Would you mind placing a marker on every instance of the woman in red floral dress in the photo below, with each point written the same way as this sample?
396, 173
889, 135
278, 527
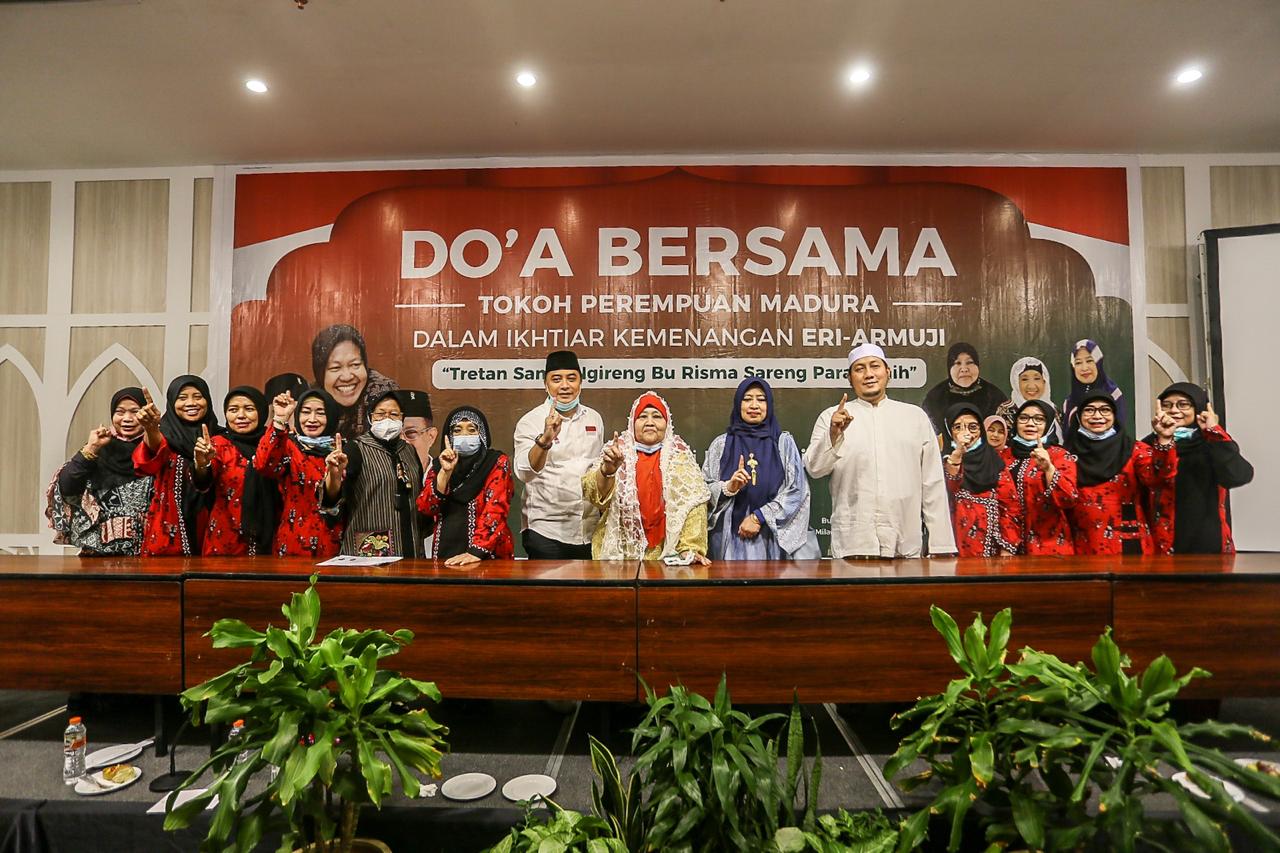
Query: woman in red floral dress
1114, 474
1045, 477
985, 509
468, 493
179, 512
300, 465
242, 519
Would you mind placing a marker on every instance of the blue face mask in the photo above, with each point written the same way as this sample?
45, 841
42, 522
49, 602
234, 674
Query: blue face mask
564, 408
466, 445
648, 448
1096, 436
1184, 432
1025, 442
318, 442
972, 447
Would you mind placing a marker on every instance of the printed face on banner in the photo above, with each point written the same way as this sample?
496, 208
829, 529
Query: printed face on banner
683, 280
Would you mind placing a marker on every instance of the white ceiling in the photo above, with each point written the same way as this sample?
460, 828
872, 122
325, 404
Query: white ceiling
105, 83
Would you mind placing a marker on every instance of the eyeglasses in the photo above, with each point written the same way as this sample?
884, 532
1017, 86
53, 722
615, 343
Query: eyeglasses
411, 434
1032, 419
382, 416
1180, 405
966, 428
1088, 411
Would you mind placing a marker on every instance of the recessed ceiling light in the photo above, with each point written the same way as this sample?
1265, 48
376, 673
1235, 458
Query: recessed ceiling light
256, 86
859, 75
526, 79
1190, 74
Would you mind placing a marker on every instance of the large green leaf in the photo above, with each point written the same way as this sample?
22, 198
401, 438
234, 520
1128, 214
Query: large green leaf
377, 773
1029, 818
982, 759
975, 646
946, 626
1001, 625
233, 634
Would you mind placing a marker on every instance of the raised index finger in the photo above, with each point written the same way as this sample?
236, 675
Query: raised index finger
337, 442
742, 461
844, 398
204, 431
146, 396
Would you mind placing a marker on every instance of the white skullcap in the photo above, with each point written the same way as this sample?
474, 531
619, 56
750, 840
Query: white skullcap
864, 350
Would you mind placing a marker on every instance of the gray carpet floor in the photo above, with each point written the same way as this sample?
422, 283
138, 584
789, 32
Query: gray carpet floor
504, 740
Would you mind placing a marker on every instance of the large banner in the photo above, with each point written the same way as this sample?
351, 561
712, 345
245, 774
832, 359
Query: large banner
683, 280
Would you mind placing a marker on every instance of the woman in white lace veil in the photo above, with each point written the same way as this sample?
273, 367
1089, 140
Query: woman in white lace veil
1028, 380
650, 491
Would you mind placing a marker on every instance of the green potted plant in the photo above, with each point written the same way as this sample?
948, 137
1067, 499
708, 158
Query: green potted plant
706, 777
323, 724
1029, 745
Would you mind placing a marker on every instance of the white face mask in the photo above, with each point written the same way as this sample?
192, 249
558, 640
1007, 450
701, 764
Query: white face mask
386, 429
466, 445
564, 408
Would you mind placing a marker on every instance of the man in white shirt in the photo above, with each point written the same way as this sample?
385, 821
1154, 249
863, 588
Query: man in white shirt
555, 444
886, 472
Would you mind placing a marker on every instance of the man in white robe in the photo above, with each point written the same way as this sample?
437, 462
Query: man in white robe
886, 472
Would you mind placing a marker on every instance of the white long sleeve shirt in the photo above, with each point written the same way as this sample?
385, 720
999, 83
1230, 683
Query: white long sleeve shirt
553, 503
886, 476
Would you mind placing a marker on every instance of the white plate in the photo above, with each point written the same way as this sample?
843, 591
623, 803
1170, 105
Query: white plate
109, 755
531, 786
85, 788
469, 786
1233, 790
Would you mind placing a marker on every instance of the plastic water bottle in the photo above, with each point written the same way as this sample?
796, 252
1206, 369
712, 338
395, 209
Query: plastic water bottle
75, 741
237, 735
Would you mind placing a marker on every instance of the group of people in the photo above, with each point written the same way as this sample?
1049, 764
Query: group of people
350, 465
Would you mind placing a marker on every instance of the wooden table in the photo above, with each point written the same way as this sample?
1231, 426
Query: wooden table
1219, 613
503, 629
102, 624
836, 630
857, 631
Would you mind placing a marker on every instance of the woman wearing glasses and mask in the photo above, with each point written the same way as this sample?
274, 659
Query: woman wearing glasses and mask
1045, 477
381, 480
1190, 514
1113, 474
985, 510
468, 493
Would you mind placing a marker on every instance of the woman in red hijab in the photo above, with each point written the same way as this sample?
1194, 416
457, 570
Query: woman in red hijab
650, 490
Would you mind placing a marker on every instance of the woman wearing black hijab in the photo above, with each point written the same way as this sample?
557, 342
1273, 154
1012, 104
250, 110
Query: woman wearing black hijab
1045, 476
962, 385
179, 513
985, 510
303, 463
1191, 517
381, 479
245, 505
97, 502
468, 493
1113, 475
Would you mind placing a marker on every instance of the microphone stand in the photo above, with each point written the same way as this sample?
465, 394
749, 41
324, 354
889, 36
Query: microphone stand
171, 780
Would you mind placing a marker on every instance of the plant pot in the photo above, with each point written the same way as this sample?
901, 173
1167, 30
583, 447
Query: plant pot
358, 845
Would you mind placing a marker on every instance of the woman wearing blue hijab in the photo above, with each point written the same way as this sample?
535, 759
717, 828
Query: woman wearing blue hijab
759, 508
